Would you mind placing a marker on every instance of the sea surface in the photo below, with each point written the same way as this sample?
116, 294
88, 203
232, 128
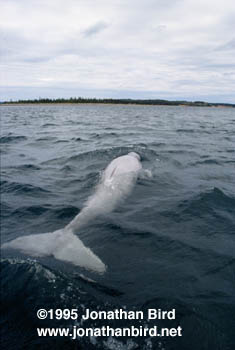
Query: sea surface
170, 244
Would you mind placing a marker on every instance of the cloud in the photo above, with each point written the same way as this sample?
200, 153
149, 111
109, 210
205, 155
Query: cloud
230, 45
147, 48
95, 29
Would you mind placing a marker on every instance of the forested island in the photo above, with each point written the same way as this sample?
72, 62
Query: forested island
122, 101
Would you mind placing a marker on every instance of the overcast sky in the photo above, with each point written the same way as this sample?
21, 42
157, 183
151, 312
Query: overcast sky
172, 49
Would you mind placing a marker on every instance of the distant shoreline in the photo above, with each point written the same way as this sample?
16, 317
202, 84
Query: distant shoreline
107, 104
145, 102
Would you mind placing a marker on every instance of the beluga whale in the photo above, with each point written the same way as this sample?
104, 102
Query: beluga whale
116, 183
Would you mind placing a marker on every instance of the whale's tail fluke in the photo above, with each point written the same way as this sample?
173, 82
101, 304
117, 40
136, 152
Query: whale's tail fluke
62, 244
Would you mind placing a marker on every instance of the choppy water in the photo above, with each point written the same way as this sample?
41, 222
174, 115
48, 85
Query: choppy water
171, 244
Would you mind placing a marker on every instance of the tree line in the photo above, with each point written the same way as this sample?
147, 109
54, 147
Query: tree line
122, 101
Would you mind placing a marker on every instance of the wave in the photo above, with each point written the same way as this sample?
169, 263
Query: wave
19, 188
6, 210
191, 131
203, 210
48, 125
77, 139
206, 161
98, 286
48, 138
113, 152
35, 210
26, 167
214, 198
93, 157
9, 139
61, 141
33, 285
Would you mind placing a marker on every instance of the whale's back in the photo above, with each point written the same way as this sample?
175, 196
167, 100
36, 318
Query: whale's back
122, 165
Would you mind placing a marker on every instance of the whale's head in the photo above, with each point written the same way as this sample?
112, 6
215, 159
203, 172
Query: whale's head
135, 155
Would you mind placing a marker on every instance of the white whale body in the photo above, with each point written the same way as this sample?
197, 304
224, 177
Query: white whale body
117, 181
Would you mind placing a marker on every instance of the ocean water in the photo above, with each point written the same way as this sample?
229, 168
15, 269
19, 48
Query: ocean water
170, 244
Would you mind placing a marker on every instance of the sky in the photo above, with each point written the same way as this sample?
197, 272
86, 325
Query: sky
167, 49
